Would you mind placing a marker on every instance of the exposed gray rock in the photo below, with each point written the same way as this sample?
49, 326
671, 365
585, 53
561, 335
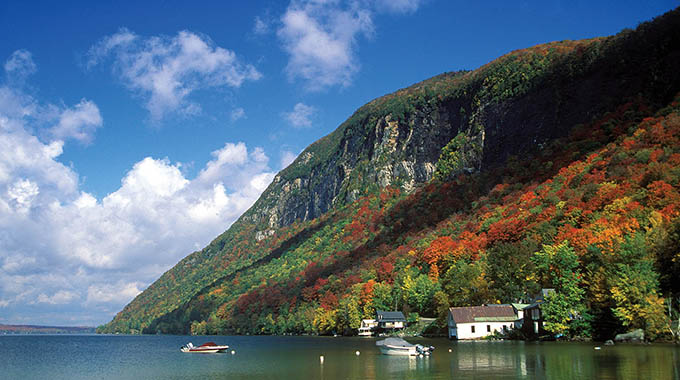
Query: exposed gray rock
635, 336
401, 147
261, 235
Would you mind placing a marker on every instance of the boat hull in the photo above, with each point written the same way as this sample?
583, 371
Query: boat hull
203, 349
206, 350
398, 350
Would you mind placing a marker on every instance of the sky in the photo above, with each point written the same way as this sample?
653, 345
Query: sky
133, 133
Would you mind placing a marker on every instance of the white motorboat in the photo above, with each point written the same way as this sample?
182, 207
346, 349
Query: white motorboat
205, 348
398, 346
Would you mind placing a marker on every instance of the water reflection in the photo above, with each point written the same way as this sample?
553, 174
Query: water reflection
489, 358
398, 366
157, 357
518, 360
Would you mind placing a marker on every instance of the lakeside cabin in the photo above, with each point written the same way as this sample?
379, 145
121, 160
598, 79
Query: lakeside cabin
519, 311
475, 322
367, 327
390, 320
533, 316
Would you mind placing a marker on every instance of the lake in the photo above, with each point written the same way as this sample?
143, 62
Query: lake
273, 357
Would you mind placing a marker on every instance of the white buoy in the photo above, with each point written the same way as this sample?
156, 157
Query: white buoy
357, 353
233, 352
449, 350
321, 359
598, 348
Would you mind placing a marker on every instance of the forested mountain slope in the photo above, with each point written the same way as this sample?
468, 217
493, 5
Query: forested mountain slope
468, 187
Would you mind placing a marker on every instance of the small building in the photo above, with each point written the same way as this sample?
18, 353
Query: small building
519, 312
367, 327
533, 316
390, 319
474, 322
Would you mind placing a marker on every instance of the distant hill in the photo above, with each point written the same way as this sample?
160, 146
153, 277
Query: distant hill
32, 329
552, 166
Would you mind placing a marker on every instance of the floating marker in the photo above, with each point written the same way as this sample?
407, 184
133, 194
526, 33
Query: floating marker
598, 348
449, 350
233, 352
321, 359
357, 353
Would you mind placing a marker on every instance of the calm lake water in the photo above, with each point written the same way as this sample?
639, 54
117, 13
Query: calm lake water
267, 357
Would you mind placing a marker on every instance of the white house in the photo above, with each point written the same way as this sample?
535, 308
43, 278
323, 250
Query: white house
367, 327
476, 322
390, 319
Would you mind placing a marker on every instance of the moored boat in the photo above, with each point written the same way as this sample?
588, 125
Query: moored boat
205, 348
398, 346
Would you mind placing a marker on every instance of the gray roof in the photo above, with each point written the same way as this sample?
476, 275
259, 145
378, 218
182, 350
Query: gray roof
390, 316
486, 313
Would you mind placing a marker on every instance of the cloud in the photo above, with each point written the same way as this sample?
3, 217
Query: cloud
57, 123
300, 116
320, 39
59, 298
20, 65
237, 113
398, 6
79, 122
120, 292
287, 158
261, 26
69, 257
165, 71
21, 194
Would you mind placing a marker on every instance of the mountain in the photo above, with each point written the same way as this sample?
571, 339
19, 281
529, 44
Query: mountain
457, 190
32, 329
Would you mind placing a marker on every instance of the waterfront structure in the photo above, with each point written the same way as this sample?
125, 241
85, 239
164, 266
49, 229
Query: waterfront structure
368, 326
475, 322
390, 320
532, 327
519, 312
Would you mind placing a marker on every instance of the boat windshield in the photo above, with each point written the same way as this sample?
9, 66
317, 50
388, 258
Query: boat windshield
394, 342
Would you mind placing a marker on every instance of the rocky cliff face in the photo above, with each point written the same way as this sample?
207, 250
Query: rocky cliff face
386, 152
446, 126
510, 106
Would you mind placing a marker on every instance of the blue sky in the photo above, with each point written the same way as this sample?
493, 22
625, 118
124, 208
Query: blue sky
132, 134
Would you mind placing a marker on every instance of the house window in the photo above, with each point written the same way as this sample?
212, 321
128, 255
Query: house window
473, 329
535, 327
534, 313
488, 328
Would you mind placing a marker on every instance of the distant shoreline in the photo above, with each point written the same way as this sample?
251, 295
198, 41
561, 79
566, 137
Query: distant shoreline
37, 329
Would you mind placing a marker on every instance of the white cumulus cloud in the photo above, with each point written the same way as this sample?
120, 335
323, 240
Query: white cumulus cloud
79, 122
69, 257
164, 71
321, 37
